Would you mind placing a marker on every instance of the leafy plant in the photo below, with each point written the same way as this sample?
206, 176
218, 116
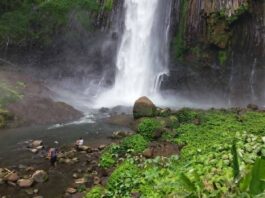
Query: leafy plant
136, 143
109, 156
148, 127
123, 180
186, 115
96, 192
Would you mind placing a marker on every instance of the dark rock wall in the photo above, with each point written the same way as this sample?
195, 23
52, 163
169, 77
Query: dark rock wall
217, 50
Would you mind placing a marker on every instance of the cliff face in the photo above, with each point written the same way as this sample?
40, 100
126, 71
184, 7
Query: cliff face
218, 49
71, 37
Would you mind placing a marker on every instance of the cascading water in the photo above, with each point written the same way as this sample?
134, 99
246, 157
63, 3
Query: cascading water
142, 56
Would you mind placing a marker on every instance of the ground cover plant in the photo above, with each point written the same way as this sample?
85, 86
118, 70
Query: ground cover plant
223, 156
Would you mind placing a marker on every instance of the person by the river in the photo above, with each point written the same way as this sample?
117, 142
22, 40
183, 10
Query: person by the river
79, 143
52, 155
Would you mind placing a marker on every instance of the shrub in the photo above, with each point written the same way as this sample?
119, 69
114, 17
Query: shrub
136, 143
148, 127
186, 115
109, 156
123, 180
96, 192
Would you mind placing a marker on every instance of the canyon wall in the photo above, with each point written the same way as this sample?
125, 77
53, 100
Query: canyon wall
217, 50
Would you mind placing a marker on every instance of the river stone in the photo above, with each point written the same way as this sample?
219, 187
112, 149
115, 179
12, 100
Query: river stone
71, 190
144, 107
120, 134
148, 153
80, 181
101, 147
29, 191
253, 107
25, 183
40, 176
75, 175
2, 173
12, 177
68, 161
12, 183
97, 180
84, 148
39, 147
36, 143
34, 150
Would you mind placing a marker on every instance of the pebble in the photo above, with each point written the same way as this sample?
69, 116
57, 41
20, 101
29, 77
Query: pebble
34, 150
25, 183
36, 143
80, 181
71, 190
75, 175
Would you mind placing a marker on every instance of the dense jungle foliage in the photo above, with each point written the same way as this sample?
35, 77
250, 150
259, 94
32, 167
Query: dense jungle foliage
36, 22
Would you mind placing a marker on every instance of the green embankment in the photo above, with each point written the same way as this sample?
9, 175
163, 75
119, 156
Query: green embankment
223, 157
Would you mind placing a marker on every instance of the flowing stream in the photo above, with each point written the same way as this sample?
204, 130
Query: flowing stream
142, 56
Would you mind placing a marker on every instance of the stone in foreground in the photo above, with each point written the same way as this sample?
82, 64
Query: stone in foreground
40, 176
25, 183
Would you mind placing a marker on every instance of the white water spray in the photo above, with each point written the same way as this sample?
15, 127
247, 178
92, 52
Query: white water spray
142, 56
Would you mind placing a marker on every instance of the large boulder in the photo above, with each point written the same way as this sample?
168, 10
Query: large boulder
144, 107
40, 176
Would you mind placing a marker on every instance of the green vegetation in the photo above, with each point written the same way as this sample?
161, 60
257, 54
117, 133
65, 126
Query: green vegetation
243, 8
148, 127
108, 4
222, 57
134, 144
223, 157
187, 115
179, 43
35, 22
10, 93
5, 116
123, 180
95, 192
109, 156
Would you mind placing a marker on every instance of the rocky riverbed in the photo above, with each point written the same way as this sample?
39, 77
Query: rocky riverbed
23, 151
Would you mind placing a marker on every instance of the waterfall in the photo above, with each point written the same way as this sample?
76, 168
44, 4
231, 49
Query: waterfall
143, 53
